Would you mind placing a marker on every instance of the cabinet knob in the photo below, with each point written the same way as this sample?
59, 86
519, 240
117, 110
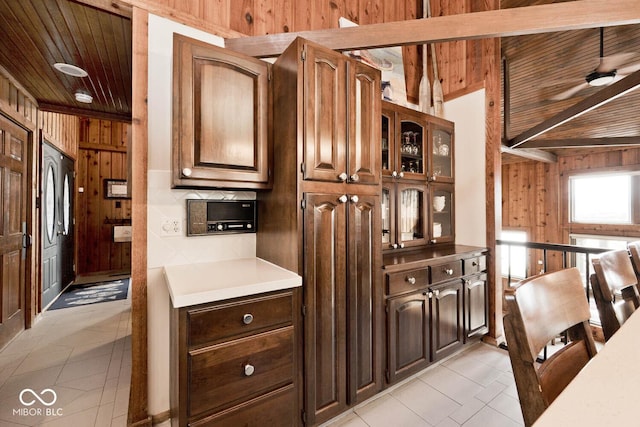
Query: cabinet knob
394, 246
432, 241
448, 271
401, 245
343, 176
354, 177
434, 177
354, 198
436, 292
249, 370
186, 172
474, 264
343, 198
394, 174
401, 175
411, 280
247, 318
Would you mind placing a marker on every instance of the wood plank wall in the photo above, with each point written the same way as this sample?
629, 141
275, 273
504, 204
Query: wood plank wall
459, 63
534, 198
102, 155
60, 130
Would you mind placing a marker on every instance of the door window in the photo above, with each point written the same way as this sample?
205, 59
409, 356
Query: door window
66, 204
50, 202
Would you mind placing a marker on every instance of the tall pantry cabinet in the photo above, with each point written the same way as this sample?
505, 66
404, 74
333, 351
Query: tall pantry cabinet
322, 219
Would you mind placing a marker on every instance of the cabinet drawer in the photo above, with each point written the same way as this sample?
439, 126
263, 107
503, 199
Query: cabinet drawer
475, 265
227, 374
449, 270
215, 324
274, 409
407, 281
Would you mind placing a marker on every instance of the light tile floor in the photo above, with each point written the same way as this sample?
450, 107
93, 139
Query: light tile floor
83, 354
474, 388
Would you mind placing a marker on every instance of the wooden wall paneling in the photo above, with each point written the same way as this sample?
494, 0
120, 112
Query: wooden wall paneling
264, 17
241, 16
411, 60
81, 210
92, 218
284, 16
217, 12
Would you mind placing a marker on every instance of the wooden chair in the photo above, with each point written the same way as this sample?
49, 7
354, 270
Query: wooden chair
614, 286
538, 309
634, 250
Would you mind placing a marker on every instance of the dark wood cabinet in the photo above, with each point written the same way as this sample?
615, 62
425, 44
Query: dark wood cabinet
408, 334
221, 116
322, 219
234, 358
436, 301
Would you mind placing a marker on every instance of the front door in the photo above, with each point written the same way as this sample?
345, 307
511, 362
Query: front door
13, 226
57, 223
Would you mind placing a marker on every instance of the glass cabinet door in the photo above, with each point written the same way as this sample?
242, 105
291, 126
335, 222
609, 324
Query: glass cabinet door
412, 142
388, 217
442, 213
387, 143
441, 167
411, 220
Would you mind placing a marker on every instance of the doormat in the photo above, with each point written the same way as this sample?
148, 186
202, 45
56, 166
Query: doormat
92, 293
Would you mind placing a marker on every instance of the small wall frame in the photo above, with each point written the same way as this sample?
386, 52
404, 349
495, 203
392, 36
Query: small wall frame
116, 189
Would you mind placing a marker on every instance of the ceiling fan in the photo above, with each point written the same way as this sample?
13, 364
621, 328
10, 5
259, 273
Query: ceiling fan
610, 69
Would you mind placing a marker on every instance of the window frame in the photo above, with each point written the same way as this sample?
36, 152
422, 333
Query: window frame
598, 229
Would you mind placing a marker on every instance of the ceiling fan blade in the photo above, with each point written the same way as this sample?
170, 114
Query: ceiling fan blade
569, 92
612, 62
630, 68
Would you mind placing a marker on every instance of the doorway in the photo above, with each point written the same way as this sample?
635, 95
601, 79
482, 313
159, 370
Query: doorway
58, 266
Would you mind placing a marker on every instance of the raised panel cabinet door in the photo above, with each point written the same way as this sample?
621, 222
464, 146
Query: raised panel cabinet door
364, 293
446, 314
325, 115
220, 117
441, 164
364, 124
408, 335
476, 302
325, 329
442, 207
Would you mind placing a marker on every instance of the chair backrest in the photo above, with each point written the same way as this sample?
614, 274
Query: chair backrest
614, 284
634, 250
538, 309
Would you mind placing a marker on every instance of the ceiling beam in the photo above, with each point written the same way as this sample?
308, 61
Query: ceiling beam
117, 7
530, 154
571, 15
603, 96
81, 112
582, 142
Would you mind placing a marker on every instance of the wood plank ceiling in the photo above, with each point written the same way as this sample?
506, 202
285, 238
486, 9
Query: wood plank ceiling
541, 66
35, 34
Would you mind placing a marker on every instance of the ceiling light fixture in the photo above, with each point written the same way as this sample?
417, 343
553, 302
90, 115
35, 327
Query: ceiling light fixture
599, 78
70, 70
84, 97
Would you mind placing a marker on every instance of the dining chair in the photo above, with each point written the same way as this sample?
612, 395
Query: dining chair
634, 251
614, 285
538, 309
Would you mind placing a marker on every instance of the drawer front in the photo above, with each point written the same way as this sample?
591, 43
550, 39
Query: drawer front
475, 265
215, 324
406, 281
275, 409
228, 374
447, 271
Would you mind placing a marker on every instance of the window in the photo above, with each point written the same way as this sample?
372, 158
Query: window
605, 242
603, 198
514, 258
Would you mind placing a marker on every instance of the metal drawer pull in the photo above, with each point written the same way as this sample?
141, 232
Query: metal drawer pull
354, 177
474, 264
186, 172
354, 199
343, 198
343, 176
411, 280
249, 370
448, 271
247, 318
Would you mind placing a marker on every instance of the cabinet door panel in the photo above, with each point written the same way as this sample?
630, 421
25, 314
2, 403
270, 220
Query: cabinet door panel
408, 335
446, 312
325, 119
364, 124
364, 296
325, 299
220, 115
476, 295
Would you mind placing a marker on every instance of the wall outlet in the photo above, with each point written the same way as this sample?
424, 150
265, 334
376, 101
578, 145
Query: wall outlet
171, 227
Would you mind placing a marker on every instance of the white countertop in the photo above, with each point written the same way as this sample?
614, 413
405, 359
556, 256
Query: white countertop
193, 284
605, 392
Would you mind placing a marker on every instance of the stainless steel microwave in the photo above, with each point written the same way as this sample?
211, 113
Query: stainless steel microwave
210, 217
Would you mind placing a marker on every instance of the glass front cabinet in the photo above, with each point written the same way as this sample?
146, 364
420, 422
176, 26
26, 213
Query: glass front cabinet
418, 176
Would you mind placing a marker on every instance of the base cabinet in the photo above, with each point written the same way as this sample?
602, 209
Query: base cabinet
436, 301
235, 362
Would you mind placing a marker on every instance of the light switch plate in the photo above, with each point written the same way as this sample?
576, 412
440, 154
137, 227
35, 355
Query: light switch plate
171, 227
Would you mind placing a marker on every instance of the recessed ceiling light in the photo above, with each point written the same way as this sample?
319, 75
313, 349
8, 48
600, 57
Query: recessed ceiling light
70, 70
601, 78
83, 97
